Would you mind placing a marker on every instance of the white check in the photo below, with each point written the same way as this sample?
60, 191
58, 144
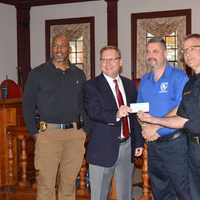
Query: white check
136, 107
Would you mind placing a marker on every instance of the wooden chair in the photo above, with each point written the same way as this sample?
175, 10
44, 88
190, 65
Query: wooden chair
13, 89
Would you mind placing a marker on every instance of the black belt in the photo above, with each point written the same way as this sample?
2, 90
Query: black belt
122, 140
194, 139
44, 125
169, 138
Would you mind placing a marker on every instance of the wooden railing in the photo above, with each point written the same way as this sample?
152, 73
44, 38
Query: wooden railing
145, 178
21, 162
20, 158
21, 170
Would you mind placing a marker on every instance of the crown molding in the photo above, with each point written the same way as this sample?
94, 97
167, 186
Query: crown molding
10, 2
31, 3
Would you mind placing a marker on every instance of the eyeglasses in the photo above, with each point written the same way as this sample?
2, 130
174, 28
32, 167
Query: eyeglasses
189, 49
59, 46
112, 60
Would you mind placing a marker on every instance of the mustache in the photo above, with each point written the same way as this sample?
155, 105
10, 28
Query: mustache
59, 54
151, 59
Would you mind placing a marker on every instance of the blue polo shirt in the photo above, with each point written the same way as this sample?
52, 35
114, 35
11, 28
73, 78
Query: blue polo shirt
164, 94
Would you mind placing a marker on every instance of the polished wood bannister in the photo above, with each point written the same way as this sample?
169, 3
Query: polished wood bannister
17, 173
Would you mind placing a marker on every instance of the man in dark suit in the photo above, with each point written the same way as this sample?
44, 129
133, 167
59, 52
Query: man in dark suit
114, 132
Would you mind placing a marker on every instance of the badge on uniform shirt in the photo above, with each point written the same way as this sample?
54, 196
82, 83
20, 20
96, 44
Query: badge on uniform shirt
77, 82
163, 87
187, 92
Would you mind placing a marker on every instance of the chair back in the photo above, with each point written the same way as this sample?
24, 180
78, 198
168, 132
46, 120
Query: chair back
10, 89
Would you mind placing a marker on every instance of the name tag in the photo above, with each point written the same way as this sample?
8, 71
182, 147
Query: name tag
187, 92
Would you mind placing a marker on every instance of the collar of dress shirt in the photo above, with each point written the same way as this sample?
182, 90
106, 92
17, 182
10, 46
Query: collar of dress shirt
110, 80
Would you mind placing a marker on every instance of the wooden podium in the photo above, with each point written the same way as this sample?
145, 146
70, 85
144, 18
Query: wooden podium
10, 115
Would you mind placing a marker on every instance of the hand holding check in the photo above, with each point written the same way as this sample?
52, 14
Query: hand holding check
137, 107
149, 131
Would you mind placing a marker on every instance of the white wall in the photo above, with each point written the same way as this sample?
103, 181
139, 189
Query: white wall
38, 15
98, 9
127, 7
8, 42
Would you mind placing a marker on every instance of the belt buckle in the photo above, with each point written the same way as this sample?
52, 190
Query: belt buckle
197, 140
66, 126
43, 126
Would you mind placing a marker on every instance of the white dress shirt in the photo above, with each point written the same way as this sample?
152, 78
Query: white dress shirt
121, 88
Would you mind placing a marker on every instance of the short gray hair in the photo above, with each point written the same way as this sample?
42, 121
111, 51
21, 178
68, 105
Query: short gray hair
159, 40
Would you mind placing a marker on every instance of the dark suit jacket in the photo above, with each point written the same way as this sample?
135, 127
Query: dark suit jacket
101, 107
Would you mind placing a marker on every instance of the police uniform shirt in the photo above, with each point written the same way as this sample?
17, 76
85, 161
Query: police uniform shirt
190, 105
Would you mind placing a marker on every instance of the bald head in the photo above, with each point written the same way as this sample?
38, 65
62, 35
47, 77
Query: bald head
60, 50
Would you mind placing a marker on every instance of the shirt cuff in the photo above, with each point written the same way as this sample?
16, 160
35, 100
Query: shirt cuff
117, 119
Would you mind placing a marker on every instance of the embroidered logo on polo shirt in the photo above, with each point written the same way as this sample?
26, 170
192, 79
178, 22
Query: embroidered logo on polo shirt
163, 87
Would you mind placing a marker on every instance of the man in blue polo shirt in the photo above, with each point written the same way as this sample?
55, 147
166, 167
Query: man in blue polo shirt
162, 88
